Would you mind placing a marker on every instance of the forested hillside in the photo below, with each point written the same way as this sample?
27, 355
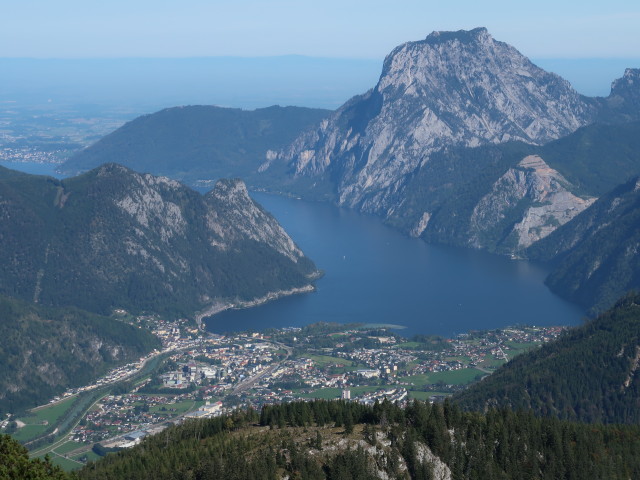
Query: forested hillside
594, 257
45, 350
113, 238
343, 440
198, 144
590, 374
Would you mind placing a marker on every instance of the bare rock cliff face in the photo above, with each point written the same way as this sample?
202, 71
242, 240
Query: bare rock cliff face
535, 195
244, 218
452, 89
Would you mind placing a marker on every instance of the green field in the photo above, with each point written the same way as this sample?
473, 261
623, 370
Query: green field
518, 348
68, 447
35, 421
451, 377
491, 362
323, 393
91, 456
50, 413
28, 432
65, 463
456, 377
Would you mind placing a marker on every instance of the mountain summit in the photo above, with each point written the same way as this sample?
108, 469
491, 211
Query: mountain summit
453, 89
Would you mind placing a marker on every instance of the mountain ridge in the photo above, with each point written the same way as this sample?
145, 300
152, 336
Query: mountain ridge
434, 94
113, 238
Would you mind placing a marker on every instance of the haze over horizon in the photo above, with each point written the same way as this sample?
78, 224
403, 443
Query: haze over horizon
252, 54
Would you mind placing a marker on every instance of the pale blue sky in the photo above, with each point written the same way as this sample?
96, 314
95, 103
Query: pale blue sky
328, 28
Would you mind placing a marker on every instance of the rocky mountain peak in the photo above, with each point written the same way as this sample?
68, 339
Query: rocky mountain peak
474, 35
625, 93
628, 83
469, 74
232, 190
453, 89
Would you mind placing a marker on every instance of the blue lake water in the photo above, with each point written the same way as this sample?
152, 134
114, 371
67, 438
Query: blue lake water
374, 274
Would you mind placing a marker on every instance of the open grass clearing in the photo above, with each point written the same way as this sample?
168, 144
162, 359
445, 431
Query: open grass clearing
65, 463
90, 455
491, 363
68, 447
425, 396
177, 408
328, 393
457, 377
49, 413
322, 361
518, 348
449, 377
331, 393
28, 432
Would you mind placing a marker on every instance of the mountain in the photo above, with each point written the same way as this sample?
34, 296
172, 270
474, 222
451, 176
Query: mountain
464, 141
44, 350
596, 158
595, 256
113, 238
346, 440
498, 198
589, 374
198, 144
623, 103
453, 89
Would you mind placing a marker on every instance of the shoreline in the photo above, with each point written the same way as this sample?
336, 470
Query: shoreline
218, 307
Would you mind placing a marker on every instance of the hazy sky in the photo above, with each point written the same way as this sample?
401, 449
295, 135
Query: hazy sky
330, 28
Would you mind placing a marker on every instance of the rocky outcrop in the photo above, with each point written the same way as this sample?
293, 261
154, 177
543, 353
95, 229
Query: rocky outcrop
452, 89
140, 242
623, 103
596, 254
535, 198
244, 218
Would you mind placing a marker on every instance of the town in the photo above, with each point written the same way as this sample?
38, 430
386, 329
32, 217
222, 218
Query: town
198, 374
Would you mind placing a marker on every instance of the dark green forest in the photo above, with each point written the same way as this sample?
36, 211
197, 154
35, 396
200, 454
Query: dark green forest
16, 465
589, 374
112, 238
594, 256
200, 142
344, 440
44, 350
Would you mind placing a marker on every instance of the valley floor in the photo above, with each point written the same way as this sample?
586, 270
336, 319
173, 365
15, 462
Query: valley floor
199, 375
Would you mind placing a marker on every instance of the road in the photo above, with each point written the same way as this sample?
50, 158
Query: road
247, 383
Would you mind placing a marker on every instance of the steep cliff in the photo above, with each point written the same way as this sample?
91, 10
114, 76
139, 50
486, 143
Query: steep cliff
452, 89
535, 198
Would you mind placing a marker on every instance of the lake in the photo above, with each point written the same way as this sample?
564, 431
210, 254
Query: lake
374, 274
